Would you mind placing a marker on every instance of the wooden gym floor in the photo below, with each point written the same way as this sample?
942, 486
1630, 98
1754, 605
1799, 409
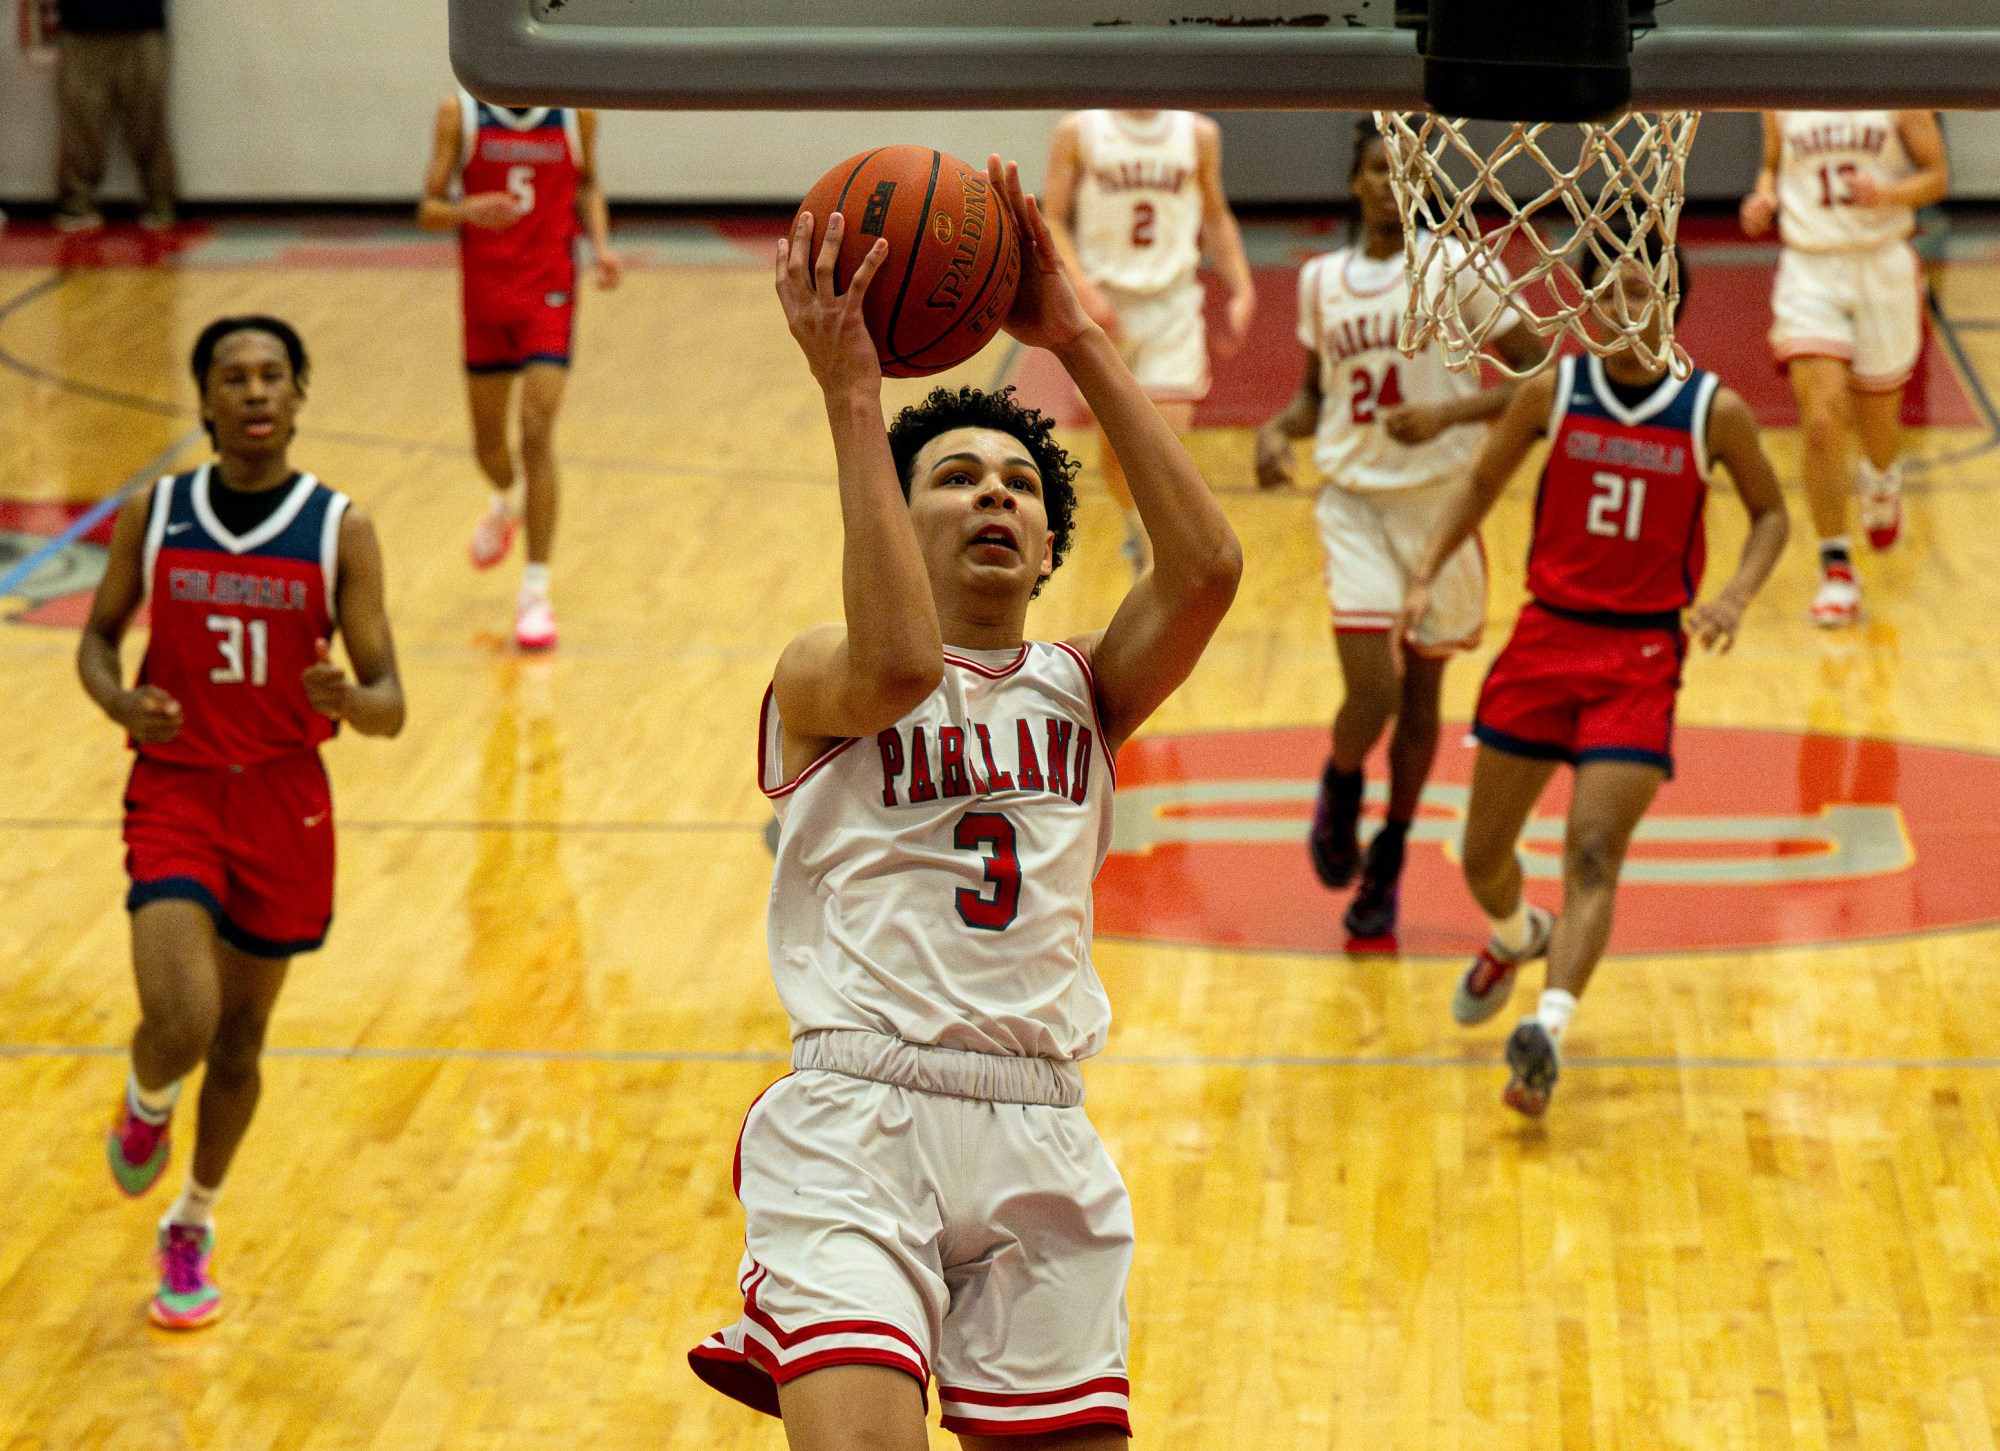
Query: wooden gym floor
487, 1201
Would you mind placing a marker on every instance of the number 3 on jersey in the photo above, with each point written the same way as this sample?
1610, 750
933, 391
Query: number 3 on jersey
992, 836
1371, 394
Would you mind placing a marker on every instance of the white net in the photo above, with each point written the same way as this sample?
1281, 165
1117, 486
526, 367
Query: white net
1560, 201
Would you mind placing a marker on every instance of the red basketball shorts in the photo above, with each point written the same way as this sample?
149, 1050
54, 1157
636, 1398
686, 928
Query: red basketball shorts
1569, 690
251, 844
505, 330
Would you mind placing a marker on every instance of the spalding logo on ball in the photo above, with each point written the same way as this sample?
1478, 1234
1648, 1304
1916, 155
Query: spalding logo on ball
954, 253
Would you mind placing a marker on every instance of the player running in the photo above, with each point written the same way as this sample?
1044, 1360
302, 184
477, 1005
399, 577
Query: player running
528, 182
924, 1194
1393, 440
1593, 669
1133, 199
1843, 187
248, 567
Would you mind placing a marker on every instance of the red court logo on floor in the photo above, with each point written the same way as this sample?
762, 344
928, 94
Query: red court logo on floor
56, 591
1763, 839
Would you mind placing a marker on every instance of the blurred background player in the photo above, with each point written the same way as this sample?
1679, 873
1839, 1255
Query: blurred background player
248, 568
1843, 187
1593, 669
1133, 199
527, 181
925, 1190
1392, 442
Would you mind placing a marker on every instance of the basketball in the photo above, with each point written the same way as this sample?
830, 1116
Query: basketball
954, 253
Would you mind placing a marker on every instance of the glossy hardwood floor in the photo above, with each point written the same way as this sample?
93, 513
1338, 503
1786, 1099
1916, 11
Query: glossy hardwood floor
487, 1201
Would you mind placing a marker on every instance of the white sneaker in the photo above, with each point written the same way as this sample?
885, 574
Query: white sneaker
494, 535
1838, 600
535, 623
1882, 509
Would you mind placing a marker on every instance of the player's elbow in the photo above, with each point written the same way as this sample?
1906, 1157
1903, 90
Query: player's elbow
1209, 579
897, 686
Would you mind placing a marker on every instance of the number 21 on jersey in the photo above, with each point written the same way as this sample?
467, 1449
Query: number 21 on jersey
1617, 506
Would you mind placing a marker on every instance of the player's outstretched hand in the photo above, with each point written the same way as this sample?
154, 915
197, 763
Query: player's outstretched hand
828, 324
1715, 622
610, 270
1863, 190
1242, 310
1047, 312
1759, 210
1413, 423
150, 715
494, 211
1274, 459
326, 683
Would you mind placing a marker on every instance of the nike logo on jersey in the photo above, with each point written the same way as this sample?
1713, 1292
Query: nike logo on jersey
178, 528
312, 821
1649, 651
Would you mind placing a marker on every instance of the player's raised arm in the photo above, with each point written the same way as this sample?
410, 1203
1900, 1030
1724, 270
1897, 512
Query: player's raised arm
372, 702
1166, 620
839, 682
1221, 238
1525, 420
147, 712
1739, 448
591, 203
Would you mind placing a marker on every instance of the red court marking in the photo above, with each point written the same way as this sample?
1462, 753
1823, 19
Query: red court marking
1725, 328
1263, 895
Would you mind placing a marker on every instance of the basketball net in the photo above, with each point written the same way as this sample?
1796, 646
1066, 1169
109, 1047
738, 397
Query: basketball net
1618, 202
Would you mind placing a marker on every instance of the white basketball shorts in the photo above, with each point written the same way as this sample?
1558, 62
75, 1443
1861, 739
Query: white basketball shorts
986, 1243
1866, 308
1374, 538
1164, 341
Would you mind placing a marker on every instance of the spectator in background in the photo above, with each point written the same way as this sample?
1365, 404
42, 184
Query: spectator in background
111, 59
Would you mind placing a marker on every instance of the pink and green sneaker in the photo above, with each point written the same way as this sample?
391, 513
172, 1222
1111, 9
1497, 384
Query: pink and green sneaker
137, 1150
187, 1298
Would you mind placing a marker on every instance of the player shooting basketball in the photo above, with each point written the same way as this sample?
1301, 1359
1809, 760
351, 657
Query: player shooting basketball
924, 1194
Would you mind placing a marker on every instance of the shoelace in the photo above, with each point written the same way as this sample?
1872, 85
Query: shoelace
183, 1259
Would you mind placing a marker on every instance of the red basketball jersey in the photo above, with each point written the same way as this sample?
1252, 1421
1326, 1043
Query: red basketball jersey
236, 621
535, 155
1618, 518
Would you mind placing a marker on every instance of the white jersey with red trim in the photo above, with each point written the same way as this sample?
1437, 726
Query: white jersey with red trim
1138, 200
1821, 155
933, 883
1350, 309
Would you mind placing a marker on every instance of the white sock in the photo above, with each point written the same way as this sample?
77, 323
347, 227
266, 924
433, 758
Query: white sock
535, 580
1871, 478
154, 1106
508, 501
196, 1206
1514, 932
1554, 1010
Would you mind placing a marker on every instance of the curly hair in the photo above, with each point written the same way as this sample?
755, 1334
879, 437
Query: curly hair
946, 409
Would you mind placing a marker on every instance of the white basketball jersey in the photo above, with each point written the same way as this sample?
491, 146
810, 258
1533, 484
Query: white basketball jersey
1350, 308
933, 882
1138, 200
1822, 152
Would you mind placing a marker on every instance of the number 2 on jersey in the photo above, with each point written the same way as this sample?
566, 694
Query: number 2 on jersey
229, 633
1616, 495
1371, 394
1142, 224
992, 836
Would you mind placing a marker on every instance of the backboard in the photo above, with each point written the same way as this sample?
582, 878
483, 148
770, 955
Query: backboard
1000, 54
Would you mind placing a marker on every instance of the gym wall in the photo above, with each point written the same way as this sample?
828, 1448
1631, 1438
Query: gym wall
310, 102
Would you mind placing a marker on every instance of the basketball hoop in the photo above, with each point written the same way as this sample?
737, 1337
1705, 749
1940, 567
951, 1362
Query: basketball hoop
1615, 208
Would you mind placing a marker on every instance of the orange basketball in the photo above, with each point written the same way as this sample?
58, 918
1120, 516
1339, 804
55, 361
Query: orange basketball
954, 253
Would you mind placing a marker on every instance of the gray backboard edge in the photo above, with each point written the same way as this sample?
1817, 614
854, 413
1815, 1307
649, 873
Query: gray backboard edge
502, 54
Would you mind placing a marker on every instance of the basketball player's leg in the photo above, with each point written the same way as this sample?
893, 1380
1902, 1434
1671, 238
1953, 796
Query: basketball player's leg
1505, 788
174, 962
490, 396
233, 1081
1610, 798
1888, 341
854, 1408
1823, 389
542, 387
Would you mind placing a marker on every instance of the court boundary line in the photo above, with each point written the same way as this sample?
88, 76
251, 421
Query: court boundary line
669, 1057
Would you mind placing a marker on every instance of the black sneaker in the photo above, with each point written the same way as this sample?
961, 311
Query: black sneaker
1372, 913
1534, 1063
1335, 840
